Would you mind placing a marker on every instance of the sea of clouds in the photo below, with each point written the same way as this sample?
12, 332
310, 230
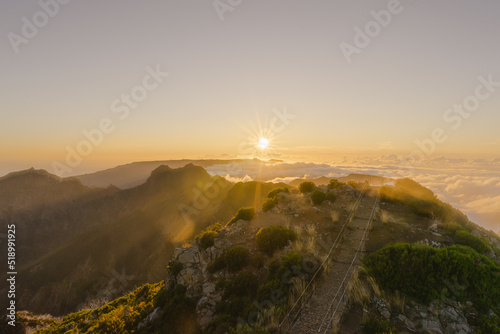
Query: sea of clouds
471, 185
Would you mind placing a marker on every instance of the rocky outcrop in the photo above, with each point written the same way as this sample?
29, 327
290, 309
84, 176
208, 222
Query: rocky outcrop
194, 275
437, 318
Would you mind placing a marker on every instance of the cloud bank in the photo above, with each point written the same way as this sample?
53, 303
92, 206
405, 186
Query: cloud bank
470, 185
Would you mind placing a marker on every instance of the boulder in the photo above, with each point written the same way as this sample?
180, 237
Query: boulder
431, 326
208, 288
155, 315
190, 255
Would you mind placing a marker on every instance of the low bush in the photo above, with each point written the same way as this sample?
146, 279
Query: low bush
426, 273
206, 239
273, 238
109, 323
243, 214
274, 192
376, 326
353, 184
269, 203
465, 238
291, 265
236, 258
257, 261
331, 197
221, 324
307, 187
244, 284
318, 197
334, 184
273, 290
218, 264
179, 313
422, 201
488, 325
175, 268
451, 228
121, 315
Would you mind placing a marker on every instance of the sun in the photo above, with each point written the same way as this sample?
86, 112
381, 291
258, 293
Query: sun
263, 143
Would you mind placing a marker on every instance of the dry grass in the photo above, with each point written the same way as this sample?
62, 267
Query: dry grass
335, 216
362, 287
306, 243
94, 303
384, 217
397, 302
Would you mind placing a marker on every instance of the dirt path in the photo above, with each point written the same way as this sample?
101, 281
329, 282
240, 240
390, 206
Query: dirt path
325, 306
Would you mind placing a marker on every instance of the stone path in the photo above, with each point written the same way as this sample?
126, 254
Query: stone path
325, 306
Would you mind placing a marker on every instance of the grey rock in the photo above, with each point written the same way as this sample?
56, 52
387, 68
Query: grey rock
432, 326
155, 315
178, 251
208, 288
189, 256
385, 313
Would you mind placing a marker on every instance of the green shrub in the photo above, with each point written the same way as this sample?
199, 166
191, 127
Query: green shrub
376, 326
422, 201
108, 323
276, 191
243, 214
257, 261
426, 273
273, 289
318, 197
353, 184
175, 268
244, 284
334, 184
451, 228
291, 265
218, 264
488, 325
307, 187
465, 238
236, 258
247, 329
179, 313
273, 267
220, 325
331, 197
274, 237
206, 239
269, 203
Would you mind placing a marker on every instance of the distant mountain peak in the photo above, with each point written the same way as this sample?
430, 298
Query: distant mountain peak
30, 172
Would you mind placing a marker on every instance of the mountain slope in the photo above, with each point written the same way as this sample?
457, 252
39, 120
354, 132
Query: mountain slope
136, 173
255, 289
136, 231
100, 242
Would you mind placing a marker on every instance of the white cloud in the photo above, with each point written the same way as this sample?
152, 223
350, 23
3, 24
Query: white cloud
471, 185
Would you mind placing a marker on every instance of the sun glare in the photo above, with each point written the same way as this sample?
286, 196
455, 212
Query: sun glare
263, 143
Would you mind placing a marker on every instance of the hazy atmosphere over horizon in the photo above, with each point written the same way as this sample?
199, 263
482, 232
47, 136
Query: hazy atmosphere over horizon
88, 85
250, 166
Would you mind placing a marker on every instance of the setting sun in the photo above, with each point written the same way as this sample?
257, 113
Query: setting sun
263, 143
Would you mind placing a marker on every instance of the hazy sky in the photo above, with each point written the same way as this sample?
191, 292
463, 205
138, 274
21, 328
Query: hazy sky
227, 76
